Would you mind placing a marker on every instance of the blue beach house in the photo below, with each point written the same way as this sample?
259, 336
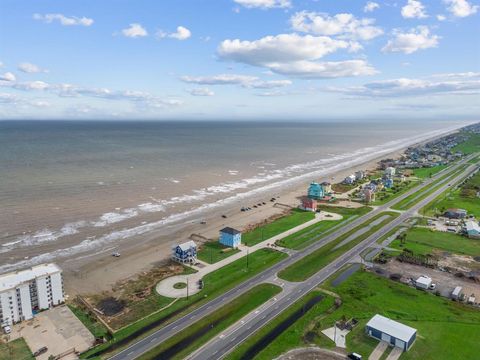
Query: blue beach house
185, 253
388, 183
315, 191
230, 237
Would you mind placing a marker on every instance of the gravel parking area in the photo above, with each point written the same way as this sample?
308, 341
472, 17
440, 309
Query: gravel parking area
445, 282
58, 329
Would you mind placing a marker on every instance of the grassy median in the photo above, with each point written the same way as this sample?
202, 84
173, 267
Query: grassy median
192, 338
310, 264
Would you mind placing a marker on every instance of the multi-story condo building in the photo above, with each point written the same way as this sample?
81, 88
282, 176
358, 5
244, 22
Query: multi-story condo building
22, 293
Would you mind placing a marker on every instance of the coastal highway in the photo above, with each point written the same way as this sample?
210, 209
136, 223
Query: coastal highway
219, 347
222, 345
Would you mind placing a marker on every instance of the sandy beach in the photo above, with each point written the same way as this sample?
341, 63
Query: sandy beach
100, 273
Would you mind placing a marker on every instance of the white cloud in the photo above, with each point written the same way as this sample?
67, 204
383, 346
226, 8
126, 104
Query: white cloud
182, 33
414, 9
342, 25
415, 39
201, 92
441, 17
1, 64
264, 4
245, 81
8, 76
40, 103
139, 98
6, 98
64, 20
461, 8
330, 69
135, 30
30, 68
461, 83
279, 49
371, 6
295, 55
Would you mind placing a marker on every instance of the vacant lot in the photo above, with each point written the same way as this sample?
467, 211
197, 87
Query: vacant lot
284, 223
423, 241
212, 252
464, 197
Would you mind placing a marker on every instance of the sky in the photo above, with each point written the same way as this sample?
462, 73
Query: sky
240, 59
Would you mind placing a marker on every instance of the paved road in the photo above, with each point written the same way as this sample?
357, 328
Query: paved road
283, 300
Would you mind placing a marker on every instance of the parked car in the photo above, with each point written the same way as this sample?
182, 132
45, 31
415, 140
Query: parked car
116, 254
354, 356
40, 351
7, 329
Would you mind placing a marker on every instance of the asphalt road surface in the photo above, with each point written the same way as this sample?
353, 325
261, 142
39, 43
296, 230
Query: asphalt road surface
221, 345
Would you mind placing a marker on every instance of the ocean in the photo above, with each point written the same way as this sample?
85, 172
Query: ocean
73, 188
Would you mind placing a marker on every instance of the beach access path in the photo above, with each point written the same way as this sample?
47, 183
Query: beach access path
166, 286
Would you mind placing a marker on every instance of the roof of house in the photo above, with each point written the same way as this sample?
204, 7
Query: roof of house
13, 279
472, 226
229, 230
187, 245
453, 210
392, 328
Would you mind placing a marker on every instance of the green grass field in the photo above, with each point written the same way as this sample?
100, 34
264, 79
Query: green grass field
15, 350
470, 146
445, 328
215, 284
264, 232
400, 188
423, 173
312, 263
293, 336
212, 252
464, 197
314, 232
423, 241
210, 326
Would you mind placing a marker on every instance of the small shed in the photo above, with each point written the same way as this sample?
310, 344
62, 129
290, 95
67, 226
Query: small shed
472, 229
230, 237
423, 282
392, 332
456, 293
185, 253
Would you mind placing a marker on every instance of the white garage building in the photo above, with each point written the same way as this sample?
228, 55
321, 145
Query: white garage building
392, 332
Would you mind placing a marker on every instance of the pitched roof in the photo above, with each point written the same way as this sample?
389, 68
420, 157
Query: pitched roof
229, 230
392, 328
472, 226
187, 245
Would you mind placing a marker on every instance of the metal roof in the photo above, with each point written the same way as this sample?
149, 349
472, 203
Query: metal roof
187, 245
392, 327
13, 279
472, 226
229, 230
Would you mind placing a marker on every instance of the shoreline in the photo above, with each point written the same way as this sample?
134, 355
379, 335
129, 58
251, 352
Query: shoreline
103, 273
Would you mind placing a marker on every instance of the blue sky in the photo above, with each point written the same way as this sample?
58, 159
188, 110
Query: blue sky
239, 59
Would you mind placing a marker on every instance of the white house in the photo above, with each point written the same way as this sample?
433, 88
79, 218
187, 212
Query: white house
24, 292
390, 171
349, 179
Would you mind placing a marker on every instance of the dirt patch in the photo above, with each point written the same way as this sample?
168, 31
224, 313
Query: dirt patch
111, 306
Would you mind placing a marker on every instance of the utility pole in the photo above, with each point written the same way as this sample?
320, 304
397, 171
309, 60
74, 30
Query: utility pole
187, 288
